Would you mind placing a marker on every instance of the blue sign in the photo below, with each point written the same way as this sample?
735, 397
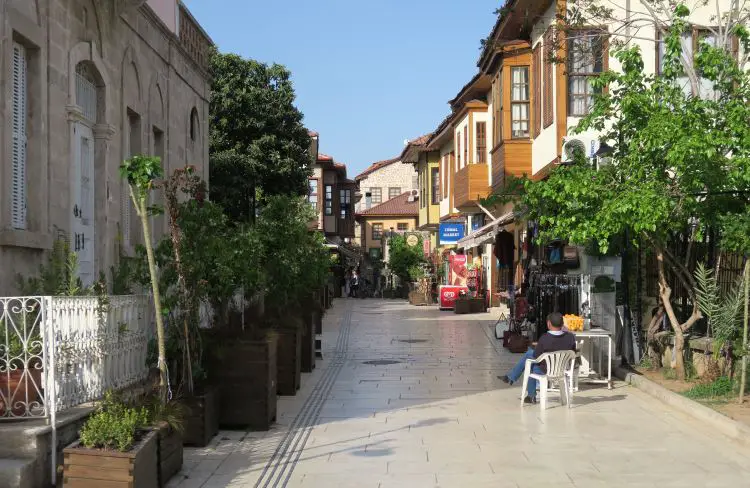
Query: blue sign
451, 233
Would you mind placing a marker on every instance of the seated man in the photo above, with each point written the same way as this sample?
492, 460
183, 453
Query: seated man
556, 339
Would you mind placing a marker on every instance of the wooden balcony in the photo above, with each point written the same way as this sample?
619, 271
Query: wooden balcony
471, 185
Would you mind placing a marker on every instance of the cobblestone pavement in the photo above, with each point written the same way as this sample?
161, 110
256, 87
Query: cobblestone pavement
434, 414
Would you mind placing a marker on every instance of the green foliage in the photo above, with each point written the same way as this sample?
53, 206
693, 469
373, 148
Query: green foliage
141, 173
257, 140
402, 257
172, 413
717, 389
58, 277
295, 260
115, 428
417, 272
723, 311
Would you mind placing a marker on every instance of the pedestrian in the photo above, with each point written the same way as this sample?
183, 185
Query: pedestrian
354, 284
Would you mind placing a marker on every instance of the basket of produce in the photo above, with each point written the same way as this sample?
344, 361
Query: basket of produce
573, 323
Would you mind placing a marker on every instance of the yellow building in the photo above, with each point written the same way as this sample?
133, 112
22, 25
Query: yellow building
427, 164
398, 215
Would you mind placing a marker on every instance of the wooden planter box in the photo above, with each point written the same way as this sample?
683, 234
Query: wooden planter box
462, 306
202, 420
470, 305
289, 363
137, 468
418, 298
478, 305
170, 454
246, 375
307, 359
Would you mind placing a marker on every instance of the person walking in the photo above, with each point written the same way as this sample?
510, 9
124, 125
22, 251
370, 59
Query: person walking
354, 284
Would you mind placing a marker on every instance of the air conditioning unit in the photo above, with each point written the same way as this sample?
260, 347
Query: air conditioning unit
586, 145
413, 196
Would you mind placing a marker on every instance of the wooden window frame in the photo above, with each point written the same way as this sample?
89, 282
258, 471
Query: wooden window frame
481, 131
377, 236
399, 226
392, 194
536, 99
548, 49
526, 102
315, 194
372, 195
345, 203
589, 34
466, 144
328, 199
435, 186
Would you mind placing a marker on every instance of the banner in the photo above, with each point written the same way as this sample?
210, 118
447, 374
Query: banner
459, 273
451, 233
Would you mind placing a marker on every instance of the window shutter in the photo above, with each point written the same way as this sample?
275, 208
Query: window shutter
18, 180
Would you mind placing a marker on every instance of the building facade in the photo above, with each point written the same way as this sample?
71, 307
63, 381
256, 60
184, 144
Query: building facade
427, 164
383, 181
399, 214
87, 85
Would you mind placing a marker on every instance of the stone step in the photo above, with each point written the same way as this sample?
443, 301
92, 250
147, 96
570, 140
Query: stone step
17, 473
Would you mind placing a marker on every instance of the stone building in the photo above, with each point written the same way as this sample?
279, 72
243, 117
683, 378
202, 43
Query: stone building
87, 84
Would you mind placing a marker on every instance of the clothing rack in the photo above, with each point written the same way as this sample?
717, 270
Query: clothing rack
550, 292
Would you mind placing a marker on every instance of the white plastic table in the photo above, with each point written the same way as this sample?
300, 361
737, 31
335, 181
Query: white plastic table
597, 334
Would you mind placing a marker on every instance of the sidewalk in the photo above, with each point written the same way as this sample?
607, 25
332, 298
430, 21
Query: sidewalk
431, 412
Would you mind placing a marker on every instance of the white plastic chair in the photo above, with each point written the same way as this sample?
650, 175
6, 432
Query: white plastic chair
559, 365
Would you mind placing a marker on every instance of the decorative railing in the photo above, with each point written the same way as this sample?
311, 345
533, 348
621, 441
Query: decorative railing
193, 38
60, 352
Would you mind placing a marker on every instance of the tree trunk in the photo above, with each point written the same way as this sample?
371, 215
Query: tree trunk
143, 214
654, 346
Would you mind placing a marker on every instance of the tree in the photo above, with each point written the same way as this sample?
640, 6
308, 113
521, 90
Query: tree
258, 144
402, 257
680, 163
141, 173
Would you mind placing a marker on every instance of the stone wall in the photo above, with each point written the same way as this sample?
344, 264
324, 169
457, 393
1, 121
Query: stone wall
152, 98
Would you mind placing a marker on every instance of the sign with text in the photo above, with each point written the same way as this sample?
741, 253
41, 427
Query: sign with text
451, 233
448, 294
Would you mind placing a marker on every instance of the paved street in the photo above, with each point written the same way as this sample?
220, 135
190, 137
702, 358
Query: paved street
436, 415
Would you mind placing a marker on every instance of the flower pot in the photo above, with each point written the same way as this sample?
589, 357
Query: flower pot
202, 420
84, 468
15, 386
246, 376
478, 305
307, 359
170, 453
289, 364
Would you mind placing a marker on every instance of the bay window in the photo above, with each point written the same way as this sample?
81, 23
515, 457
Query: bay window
519, 102
586, 53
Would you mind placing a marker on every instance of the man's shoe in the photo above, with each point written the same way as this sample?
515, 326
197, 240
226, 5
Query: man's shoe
506, 379
529, 400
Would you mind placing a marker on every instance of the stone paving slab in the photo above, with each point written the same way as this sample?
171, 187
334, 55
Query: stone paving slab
441, 418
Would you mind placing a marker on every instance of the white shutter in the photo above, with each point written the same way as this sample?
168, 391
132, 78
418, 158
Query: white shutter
18, 187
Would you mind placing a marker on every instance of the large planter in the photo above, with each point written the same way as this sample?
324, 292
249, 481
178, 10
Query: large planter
86, 468
202, 420
418, 298
307, 359
15, 386
170, 453
470, 305
246, 373
289, 364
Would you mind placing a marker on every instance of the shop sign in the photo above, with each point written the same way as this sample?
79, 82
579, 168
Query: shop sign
448, 295
412, 240
451, 233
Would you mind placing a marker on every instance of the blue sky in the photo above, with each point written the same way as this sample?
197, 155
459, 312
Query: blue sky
368, 74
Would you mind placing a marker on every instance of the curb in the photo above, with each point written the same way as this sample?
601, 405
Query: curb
736, 431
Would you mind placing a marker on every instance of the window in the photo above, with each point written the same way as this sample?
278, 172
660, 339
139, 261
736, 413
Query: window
134, 148
549, 51
537, 79
393, 192
466, 145
376, 195
157, 221
194, 124
435, 176
20, 121
329, 200
445, 163
377, 232
402, 226
690, 43
346, 203
375, 253
312, 194
585, 62
519, 102
497, 102
481, 142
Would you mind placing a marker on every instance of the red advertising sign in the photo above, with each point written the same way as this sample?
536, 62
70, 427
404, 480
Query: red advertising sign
458, 270
448, 295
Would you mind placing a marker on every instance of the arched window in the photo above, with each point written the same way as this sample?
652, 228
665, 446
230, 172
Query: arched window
194, 124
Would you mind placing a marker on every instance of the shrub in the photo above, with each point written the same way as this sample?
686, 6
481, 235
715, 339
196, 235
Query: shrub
114, 429
721, 387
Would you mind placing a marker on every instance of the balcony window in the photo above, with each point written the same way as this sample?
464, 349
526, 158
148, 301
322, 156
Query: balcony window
585, 62
481, 142
346, 203
393, 192
519, 98
312, 194
329, 199
377, 232
435, 181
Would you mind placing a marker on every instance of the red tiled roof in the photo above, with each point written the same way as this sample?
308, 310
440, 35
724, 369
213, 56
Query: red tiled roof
376, 166
397, 206
324, 157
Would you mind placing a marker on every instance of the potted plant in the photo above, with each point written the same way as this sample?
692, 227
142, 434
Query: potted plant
115, 446
168, 419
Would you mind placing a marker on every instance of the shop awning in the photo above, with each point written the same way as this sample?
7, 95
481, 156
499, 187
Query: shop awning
487, 233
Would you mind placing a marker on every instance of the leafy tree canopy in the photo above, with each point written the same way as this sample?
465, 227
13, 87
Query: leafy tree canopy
402, 257
257, 138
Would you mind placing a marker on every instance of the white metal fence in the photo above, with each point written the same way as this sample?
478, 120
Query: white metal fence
60, 352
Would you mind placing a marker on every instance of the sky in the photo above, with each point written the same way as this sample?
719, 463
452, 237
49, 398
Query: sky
368, 74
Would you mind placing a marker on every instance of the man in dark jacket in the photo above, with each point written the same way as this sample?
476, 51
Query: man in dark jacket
554, 340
